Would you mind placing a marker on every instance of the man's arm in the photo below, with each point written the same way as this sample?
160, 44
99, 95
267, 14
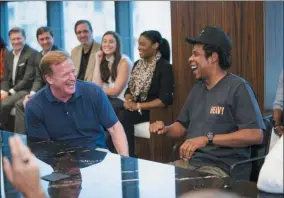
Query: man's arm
38, 81
119, 139
278, 103
109, 120
241, 138
248, 118
34, 123
175, 130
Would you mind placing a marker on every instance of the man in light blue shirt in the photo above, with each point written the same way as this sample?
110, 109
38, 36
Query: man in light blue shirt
278, 108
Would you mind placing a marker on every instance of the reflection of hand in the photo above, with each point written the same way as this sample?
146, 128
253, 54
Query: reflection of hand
131, 106
279, 130
158, 127
4, 95
23, 173
190, 145
67, 164
27, 97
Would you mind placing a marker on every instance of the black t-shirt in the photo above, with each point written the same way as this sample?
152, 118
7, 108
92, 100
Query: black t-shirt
84, 63
228, 107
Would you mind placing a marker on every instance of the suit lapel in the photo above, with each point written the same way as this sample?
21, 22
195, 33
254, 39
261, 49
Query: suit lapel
21, 58
91, 63
77, 60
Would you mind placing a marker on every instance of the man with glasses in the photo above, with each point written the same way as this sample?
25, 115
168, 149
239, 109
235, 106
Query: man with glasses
83, 56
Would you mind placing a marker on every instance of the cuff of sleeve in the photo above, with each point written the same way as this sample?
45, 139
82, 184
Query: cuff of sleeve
12, 91
184, 124
32, 92
277, 106
166, 99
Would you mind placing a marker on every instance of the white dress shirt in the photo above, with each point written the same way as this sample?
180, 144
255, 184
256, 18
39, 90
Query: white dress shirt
15, 63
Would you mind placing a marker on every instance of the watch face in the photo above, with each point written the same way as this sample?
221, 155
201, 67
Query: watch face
210, 136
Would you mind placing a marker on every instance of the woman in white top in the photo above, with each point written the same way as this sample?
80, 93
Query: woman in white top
112, 69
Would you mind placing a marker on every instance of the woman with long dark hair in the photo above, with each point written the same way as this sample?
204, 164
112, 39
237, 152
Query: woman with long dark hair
3, 50
112, 69
151, 83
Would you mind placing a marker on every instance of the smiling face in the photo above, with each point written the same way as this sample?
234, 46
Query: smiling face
84, 33
198, 62
45, 40
17, 40
62, 81
109, 44
146, 48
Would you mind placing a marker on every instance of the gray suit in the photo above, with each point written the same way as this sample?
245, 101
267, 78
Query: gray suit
76, 55
37, 85
25, 73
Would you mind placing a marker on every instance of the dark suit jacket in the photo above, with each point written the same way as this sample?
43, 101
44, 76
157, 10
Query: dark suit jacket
25, 70
162, 85
39, 81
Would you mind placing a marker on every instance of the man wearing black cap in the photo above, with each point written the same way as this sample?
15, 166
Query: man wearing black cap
221, 118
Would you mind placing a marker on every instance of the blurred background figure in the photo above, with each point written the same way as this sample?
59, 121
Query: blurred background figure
3, 50
271, 174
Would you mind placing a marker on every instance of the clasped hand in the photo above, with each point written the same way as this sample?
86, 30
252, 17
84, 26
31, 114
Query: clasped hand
131, 106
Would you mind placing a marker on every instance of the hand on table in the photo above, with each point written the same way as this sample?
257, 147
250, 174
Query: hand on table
23, 172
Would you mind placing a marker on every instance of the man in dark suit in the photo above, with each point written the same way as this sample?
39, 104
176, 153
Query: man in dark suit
19, 73
45, 39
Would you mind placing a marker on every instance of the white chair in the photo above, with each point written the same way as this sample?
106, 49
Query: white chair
142, 130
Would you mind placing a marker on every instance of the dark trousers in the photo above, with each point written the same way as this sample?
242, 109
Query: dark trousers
20, 117
7, 105
128, 120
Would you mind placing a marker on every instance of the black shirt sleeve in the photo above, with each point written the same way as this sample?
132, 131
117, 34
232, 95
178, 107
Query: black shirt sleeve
166, 85
184, 116
246, 110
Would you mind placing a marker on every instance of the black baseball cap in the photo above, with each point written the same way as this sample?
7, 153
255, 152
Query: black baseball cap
213, 36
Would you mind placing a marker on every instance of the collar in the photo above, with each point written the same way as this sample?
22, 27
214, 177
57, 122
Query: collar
52, 98
203, 82
110, 59
19, 52
50, 49
89, 49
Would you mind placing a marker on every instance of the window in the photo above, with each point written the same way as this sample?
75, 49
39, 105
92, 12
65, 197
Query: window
29, 15
151, 15
100, 14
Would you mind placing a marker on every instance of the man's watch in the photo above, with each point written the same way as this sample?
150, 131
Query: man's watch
210, 136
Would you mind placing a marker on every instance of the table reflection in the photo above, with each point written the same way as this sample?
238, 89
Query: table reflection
97, 173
